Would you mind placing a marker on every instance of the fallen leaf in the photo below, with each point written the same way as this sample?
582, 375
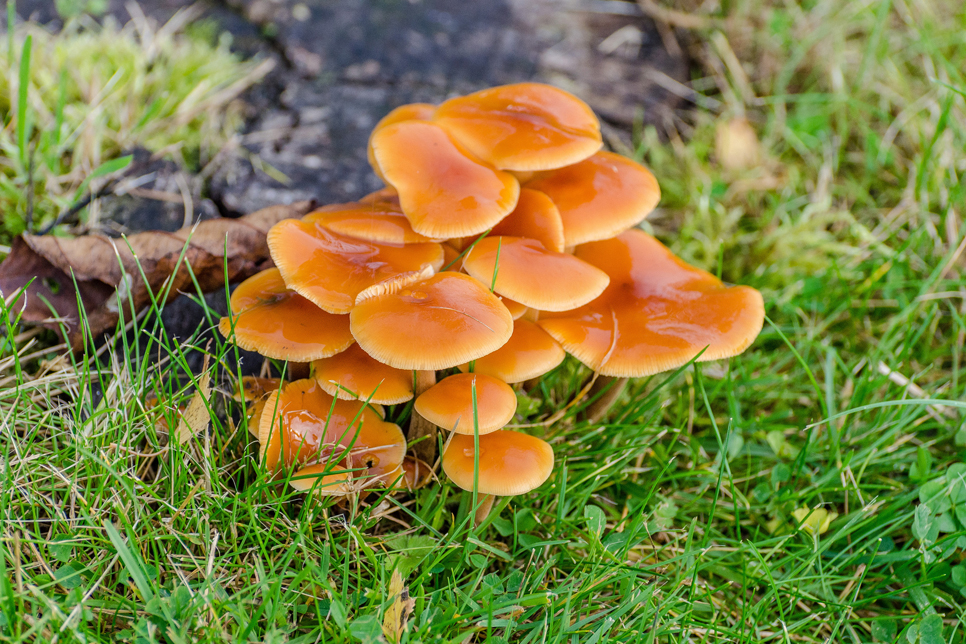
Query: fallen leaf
111, 273
401, 607
196, 417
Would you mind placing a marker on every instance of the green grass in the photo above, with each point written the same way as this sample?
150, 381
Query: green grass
671, 521
75, 102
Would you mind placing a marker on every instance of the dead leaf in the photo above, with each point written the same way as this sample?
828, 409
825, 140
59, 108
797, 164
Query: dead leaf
122, 273
196, 417
401, 607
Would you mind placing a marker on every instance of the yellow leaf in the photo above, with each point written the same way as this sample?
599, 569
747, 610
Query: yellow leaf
814, 521
196, 417
400, 608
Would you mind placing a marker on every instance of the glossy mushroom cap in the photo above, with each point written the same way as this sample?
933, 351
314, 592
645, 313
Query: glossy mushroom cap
657, 314
433, 324
600, 197
525, 126
530, 274
511, 463
354, 374
324, 479
530, 353
304, 425
280, 324
331, 269
450, 403
535, 217
444, 190
410, 112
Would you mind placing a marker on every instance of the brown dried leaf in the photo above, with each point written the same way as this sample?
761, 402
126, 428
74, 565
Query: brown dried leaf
113, 273
196, 417
397, 615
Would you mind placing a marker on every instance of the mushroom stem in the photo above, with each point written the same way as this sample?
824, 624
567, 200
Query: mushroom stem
608, 388
484, 505
425, 449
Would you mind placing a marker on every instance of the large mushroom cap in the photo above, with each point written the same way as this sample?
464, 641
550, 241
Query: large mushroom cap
530, 274
600, 197
324, 479
526, 126
437, 323
444, 191
657, 314
331, 269
354, 374
511, 463
304, 425
529, 353
450, 403
280, 324
535, 217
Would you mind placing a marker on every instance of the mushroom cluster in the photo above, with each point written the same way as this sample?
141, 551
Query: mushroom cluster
505, 238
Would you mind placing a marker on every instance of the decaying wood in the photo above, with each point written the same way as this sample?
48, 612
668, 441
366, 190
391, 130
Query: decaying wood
112, 274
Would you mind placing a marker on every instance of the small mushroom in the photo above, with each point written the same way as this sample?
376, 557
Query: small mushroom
278, 323
382, 221
510, 463
468, 402
535, 217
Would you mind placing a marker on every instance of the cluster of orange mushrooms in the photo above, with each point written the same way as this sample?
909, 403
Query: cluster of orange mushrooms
504, 239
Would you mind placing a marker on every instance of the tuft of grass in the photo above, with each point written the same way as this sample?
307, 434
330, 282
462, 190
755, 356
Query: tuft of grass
74, 101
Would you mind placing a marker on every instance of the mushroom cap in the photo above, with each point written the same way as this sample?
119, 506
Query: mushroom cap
381, 221
530, 352
324, 479
366, 378
303, 425
449, 403
444, 190
657, 314
516, 309
331, 269
521, 127
600, 197
511, 463
437, 323
410, 112
532, 275
535, 217
280, 324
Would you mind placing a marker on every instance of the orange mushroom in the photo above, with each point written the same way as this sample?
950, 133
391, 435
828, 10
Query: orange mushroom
443, 189
302, 426
600, 197
535, 217
278, 323
354, 374
331, 269
521, 127
657, 313
529, 353
523, 270
468, 403
381, 221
